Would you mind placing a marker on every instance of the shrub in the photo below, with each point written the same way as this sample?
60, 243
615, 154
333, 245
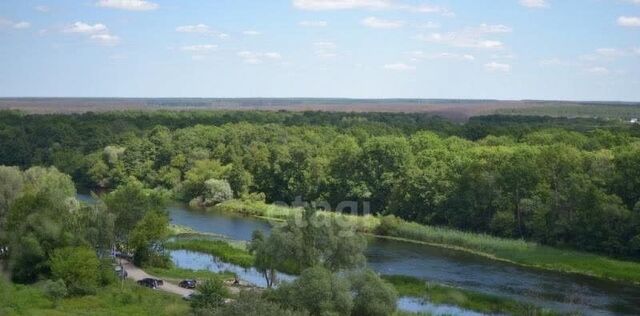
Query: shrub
78, 267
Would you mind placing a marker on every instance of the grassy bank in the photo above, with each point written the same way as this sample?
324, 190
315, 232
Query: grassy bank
130, 299
178, 274
479, 302
227, 252
519, 252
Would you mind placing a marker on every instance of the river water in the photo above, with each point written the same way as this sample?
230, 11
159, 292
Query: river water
557, 291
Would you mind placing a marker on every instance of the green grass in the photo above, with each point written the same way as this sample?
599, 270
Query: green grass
128, 299
479, 302
225, 251
178, 274
518, 252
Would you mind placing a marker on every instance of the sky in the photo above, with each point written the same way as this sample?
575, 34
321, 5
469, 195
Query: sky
461, 49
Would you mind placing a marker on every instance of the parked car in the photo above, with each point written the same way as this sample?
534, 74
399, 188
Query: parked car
188, 284
150, 283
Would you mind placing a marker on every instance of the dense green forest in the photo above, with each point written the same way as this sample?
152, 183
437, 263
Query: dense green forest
562, 182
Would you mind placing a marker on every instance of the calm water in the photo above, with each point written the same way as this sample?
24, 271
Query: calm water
560, 292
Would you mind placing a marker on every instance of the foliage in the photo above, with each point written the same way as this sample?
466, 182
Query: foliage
210, 295
317, 291
219, 248
55, 290
307, 240
78, 267
127, 298
373, 296
250, 303
441, 294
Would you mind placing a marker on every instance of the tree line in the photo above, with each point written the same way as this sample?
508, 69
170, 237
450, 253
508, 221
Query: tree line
569, 183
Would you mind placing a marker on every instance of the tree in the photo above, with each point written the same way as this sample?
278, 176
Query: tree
210, 295
250, 303
216, 191
78, 267
309, 240
147, 237
129, 204
317, 291
373, 296
11, 185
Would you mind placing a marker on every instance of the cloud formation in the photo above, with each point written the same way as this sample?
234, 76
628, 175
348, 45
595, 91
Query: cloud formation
327, 5
130, 5
98, 33
629, 21
399, 67
536, 4
14, 25
250, 57
377, 23
497, 67
201, 29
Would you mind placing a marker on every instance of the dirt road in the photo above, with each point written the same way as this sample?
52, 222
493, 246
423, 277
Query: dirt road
137, 274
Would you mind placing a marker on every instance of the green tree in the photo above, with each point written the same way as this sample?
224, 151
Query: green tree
78, 267
210, 295
317, 291
373, 296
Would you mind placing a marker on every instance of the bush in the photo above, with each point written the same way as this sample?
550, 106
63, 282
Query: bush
317, 291
373, 296
250, 303
55, 290
78, 267
210, 295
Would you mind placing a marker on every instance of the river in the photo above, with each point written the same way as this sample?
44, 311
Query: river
557, 291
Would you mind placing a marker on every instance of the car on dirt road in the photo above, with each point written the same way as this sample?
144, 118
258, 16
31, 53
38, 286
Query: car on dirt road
188, 284
150, 283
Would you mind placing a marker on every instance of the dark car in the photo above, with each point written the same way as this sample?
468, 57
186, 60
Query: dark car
150, 283
188, 284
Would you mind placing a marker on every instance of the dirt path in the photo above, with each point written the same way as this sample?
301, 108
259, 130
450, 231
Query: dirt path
137, 274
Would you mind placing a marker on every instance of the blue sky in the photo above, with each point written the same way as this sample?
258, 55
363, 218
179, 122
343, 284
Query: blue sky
503, 49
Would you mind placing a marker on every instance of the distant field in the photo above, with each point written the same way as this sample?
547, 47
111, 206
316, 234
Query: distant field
458, 110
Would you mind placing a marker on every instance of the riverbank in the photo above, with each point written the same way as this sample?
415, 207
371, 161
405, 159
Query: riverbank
225, 251
479, 302
519, 252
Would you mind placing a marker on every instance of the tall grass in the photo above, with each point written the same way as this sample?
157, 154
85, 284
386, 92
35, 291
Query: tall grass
519, 252
118, 299
479, 302
221, 249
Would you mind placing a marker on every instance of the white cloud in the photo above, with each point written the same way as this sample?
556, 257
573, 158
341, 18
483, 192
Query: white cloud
325, 5
474, 37
84, 28
325, 49
42, 8
321, 5
251, 33
105, 39
15, 25
429, 25
399, 67
98, 33
497, 67
634, 1
131, 5
313, 23
598, 70
250, 57
611, 52
420, 55
200, 29
22, 25
629, 21
205, 48
377, 23
534, 3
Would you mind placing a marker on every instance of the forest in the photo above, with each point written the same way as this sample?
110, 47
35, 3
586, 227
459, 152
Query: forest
569, 183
